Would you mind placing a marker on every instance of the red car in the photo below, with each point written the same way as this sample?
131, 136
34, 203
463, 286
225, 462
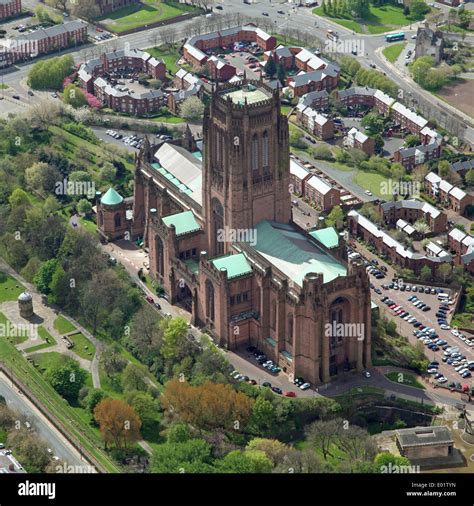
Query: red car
290, 394
150, 299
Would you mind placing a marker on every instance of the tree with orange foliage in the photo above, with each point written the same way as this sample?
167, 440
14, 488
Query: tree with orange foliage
118, 422
207, 406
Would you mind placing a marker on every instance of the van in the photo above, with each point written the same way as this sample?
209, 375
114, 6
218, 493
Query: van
443, 296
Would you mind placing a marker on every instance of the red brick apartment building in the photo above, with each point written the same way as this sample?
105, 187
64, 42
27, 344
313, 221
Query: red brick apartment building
355, 139
220, 70
413, 210
462, 245
194, 48
447, 194
9, 9
47, 40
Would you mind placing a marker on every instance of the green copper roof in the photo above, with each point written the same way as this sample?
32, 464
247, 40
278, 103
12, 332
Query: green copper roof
236, 265
294, 254
327, 237
111, 198
184, 223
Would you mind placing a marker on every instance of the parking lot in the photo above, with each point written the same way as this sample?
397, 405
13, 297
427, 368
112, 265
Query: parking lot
428, 319
242, 64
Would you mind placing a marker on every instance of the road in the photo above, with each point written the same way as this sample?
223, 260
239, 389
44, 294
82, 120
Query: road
292, 18
53, 438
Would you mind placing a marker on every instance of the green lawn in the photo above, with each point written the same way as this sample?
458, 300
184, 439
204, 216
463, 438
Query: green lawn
81, 151
47, 338
3, 86
63, 326
9, 288
169, 54
285, 109
393, 52
381, 19
142, 14
80, 343
171, 118
370, 181
404, 378
89, 225
52, 360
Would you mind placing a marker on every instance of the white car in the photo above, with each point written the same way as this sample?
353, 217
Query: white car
368, 192
455, 332
367, 374
432, 371
463, 370
445, 327
443, 379
50, 451
413, 36
305, 386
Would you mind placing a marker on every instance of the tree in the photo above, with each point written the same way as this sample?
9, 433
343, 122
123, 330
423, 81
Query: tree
379, 142
178, 433
67, 380
88, 9
444, 272
133, 377
45, 274
42, 177
29, 450
59, 287
244, 462
322, 153
19, 198
174, 337
412, 140
147, 409
421, 227
264, 419
335, 218
275, 450
418, 9
93, 397
192, 108
207, 406
444, 168
118, 422
84, 207
270, 67
192, 456
74, 96
50, 74
470, 177
384, 461
321, 434
373, 123
281, 74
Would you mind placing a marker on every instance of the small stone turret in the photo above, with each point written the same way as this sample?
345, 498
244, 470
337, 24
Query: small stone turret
25, 303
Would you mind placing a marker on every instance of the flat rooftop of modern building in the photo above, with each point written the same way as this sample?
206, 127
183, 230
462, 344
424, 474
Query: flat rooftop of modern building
252, 93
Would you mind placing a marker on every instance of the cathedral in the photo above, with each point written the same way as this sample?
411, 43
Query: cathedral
217, 223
